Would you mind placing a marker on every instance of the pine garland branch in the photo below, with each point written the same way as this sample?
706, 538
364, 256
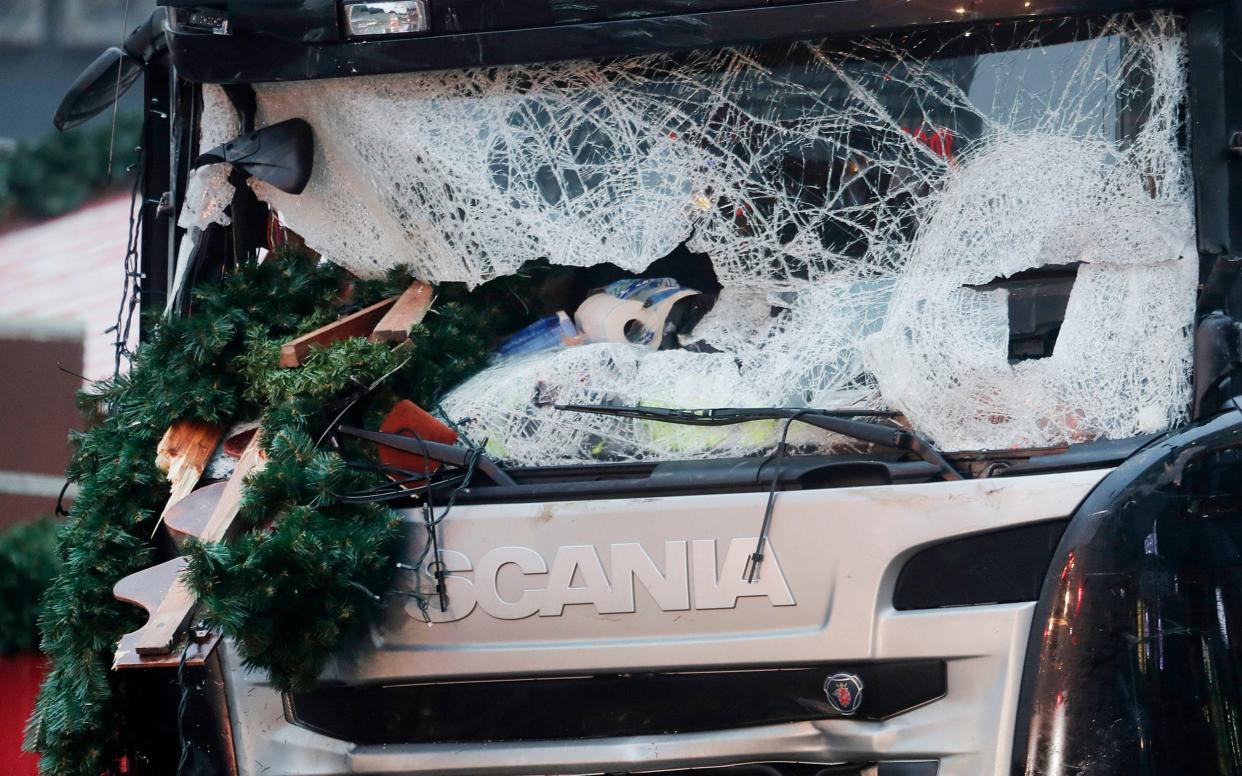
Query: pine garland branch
307, 571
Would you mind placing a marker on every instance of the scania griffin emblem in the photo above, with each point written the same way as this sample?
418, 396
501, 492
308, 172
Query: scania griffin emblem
845, 692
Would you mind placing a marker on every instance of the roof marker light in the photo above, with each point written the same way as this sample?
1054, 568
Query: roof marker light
396, 17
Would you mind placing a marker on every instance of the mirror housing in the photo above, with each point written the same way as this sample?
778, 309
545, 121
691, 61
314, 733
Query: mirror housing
97, 88
103, 81
281, 155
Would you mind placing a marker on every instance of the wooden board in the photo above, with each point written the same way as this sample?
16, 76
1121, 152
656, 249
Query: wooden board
408, 310
221, 519
183, 454
235, 445
360, 324
162, 592
189, 516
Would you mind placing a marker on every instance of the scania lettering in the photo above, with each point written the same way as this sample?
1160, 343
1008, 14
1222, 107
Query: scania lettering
609, 593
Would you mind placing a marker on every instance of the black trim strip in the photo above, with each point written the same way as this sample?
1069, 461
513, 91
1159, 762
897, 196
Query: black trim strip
605, 706
797, 472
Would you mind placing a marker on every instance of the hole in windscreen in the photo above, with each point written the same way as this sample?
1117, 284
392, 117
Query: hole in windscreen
1037, 302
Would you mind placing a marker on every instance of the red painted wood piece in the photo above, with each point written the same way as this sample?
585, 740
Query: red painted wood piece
408, 419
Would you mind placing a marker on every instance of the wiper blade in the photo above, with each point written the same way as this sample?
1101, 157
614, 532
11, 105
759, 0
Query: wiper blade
843, 422
453, 455
721, 416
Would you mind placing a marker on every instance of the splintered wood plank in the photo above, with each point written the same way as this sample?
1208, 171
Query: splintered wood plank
158, 636
409, 309
162, 592
360, 324
226, 508
183, 454
186, 445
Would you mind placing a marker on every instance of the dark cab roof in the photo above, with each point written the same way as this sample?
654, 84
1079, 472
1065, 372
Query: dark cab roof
243, 41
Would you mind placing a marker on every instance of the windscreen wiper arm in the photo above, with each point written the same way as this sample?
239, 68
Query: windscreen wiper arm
843, 422
453, 455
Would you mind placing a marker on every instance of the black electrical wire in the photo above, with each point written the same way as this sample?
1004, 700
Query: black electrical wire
751, 572
60, 500
432, 527
357, 396
406, 476
408, 486
426, 485
184, 703
72, 373
116, 94
472, 461
432, 523
131, 292
400, 494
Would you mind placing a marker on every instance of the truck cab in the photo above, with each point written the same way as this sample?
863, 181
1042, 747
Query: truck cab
1000, 231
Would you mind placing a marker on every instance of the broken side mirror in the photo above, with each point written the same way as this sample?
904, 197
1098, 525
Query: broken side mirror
103, 81
97, 88
281, 155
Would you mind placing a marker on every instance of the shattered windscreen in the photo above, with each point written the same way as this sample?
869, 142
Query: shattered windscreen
988, 230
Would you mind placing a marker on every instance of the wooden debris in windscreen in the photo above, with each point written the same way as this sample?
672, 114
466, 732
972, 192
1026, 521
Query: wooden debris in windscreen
189, 516
360, 324
410, 308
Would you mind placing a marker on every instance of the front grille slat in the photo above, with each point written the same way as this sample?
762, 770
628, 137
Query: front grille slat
605, 706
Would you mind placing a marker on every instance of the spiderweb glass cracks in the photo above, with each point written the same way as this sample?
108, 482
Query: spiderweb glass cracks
851, 199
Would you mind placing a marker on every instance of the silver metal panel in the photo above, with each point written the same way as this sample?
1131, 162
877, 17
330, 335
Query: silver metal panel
839, 551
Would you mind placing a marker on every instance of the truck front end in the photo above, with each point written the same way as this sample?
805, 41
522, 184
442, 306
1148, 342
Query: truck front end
1002, 228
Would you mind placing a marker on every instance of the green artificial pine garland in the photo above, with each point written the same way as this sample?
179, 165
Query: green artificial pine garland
302, 574
307, 570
